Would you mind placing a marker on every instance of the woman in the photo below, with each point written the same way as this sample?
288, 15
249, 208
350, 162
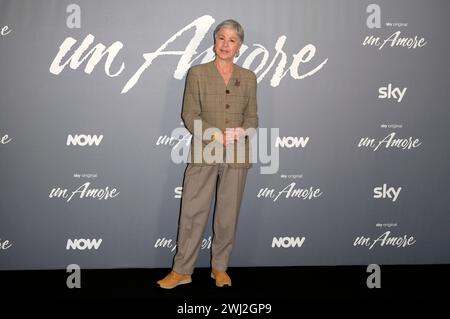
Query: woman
219, 108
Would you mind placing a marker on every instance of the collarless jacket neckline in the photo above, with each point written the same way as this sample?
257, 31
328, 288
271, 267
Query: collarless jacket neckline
232, 77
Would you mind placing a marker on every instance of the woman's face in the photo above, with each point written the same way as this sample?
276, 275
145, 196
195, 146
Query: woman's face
227, 44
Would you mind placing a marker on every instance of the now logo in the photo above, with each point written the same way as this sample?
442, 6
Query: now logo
287, 242
82, 244
83, 140
291, 141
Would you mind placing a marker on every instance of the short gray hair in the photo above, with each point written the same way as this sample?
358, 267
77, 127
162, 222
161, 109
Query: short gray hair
232, 24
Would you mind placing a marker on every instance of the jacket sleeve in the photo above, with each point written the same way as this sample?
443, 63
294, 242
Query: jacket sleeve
251, 111
192, 113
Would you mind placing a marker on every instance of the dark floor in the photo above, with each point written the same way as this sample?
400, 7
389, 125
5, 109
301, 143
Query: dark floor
280, 286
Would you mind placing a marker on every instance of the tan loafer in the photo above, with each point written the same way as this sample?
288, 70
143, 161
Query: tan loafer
174, 279
221, 277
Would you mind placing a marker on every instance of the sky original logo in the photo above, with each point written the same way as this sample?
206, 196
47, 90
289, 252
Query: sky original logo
395, 39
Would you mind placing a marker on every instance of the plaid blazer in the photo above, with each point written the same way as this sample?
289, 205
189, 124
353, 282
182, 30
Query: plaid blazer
216, 106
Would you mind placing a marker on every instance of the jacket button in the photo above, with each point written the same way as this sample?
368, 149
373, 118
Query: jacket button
227, 106
226, 121
227, 91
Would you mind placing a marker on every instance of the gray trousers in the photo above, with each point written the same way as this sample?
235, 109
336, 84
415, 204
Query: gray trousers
199, 186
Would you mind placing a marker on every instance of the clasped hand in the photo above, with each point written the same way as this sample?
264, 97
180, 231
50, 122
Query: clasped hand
231, 135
